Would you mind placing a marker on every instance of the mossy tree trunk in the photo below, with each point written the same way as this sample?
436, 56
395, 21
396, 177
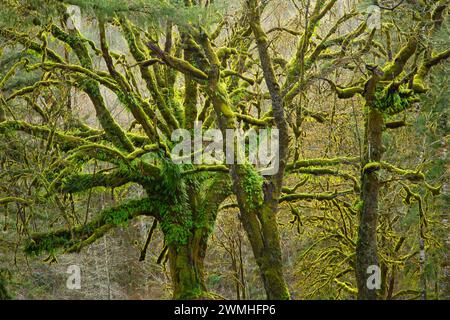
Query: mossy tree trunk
262, 230
259, 207
366, 249
257, 198
186, 268
186, 258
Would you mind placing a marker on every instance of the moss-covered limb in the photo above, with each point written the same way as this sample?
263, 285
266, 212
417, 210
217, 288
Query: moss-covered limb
32, 88
326, 171
224, 53
190, 100
43, 114
251, 120
343, 40
91, 87
96, 136
210, 120
76, 237
349, 38
147, 63
394, 68
227, 206
291, 91
345, 93
191, 89
320, 117
109, 152
141, 109
369, 44
127, 170
26, 41
65, 141
216, 89
216, 33
2, 109
315, 196
11, 72
101, 77
296, 67
84, 181
7, 200
141, 151
418, 81
322, 162
283, 29
148, 75
120, 78
411, 175
407, 292
207, 168
288, 190
347, 287
178, 64
412, 196
297, 217
229, 73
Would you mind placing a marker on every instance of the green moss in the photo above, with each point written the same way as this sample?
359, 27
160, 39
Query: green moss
371, 167
358, 206
252, 186
393, 102
171, 203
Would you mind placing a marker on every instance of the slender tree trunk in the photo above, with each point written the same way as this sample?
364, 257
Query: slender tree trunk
366, 249
261, 226
270, 258
266, 241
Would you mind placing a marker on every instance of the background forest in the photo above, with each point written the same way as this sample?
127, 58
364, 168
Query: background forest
91, 92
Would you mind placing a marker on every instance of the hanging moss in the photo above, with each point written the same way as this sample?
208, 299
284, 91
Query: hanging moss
171, 202
252, 185
393, 102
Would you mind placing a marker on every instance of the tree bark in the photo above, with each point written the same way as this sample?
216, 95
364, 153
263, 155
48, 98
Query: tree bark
186, 268
366, 249
186, 260
268, 256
